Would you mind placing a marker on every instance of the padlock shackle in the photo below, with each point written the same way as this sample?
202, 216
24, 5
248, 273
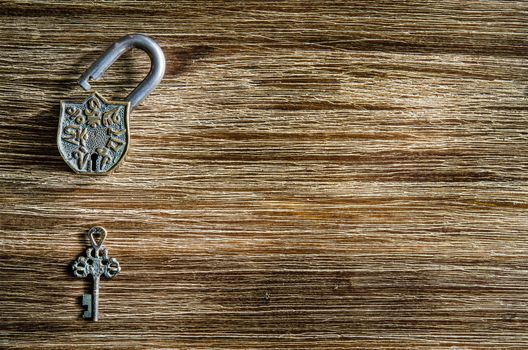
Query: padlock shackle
140, 41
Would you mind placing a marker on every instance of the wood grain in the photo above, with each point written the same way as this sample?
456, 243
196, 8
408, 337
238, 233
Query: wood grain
308, 175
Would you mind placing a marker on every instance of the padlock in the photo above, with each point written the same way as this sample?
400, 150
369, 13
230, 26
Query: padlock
94, 135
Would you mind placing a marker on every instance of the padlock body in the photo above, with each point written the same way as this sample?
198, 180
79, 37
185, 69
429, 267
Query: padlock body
93, 135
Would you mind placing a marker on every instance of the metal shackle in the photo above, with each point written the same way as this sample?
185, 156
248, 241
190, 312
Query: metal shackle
116, 50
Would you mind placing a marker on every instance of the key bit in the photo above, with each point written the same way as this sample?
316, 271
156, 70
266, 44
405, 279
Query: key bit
87, 303
96, 263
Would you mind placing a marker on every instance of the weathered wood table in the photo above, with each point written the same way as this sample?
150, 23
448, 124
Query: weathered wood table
308, 175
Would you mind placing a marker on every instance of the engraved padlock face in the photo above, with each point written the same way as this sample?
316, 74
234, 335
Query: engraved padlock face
93, 135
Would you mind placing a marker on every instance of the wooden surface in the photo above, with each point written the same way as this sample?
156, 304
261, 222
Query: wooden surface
308, 175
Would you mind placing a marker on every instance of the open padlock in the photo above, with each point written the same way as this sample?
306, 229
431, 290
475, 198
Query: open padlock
94, 135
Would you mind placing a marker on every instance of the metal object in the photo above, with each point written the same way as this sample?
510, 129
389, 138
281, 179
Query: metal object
96, 263
93, 135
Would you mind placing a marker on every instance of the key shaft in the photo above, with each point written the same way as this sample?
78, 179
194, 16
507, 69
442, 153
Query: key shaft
95, 298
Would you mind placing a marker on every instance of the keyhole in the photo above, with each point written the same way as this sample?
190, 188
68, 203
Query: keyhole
94, 161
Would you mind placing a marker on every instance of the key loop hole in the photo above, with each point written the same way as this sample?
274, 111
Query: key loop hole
98, 231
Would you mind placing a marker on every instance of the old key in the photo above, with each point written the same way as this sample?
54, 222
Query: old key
96, 263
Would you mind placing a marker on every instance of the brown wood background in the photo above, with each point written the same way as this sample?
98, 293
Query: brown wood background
308, 175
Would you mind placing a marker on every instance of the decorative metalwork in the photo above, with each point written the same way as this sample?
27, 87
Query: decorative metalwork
93, 135
96, 263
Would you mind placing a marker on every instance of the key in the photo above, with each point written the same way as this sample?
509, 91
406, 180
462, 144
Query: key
96, 263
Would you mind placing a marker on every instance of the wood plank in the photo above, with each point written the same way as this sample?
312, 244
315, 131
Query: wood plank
308, 175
